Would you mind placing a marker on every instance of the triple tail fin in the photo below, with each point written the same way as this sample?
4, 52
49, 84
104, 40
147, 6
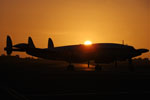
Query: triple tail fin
50, 43
8, 48
30, 43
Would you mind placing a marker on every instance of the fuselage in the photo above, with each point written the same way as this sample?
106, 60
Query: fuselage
100, 52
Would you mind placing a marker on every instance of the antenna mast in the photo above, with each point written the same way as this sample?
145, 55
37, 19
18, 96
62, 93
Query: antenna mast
123, 42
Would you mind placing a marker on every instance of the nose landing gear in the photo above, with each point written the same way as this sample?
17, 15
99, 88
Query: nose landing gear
98, 67
131, 67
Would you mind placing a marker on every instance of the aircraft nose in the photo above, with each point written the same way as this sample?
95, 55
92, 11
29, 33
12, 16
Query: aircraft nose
143, 50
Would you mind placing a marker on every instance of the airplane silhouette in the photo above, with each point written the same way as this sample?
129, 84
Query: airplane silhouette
98, 52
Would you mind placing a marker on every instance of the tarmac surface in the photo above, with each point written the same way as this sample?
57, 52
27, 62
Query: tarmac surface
38, 81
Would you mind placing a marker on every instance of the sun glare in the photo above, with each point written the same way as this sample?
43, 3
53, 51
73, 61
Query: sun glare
87, 43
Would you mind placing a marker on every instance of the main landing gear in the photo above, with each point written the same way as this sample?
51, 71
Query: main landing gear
98, 67
88, 64
70, 67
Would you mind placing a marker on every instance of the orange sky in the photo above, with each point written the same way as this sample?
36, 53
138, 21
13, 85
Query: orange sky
74, 21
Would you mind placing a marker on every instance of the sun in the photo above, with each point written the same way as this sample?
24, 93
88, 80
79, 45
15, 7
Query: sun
87, 42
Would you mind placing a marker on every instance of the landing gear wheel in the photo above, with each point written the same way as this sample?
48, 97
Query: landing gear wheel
131, 67
70, 67
98, 68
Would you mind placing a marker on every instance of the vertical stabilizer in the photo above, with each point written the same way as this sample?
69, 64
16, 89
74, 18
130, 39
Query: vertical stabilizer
30, 43
8, 48
50, 43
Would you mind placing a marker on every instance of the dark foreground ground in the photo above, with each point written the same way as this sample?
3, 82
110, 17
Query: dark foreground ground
41, 80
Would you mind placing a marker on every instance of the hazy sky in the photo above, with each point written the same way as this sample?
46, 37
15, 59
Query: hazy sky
74, 21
